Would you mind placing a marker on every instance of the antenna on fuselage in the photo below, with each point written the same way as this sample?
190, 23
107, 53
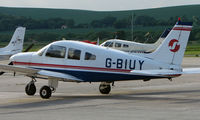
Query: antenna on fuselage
98, 41
132, 27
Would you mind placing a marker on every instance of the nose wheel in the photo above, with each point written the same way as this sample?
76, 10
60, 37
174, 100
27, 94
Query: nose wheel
104, 88
30, 88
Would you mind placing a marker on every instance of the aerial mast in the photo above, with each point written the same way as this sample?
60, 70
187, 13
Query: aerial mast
132, 27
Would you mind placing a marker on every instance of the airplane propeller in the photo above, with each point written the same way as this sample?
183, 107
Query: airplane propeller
26, 50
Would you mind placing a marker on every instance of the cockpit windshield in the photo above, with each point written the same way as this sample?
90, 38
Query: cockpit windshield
41, 51
108, 44
56, 51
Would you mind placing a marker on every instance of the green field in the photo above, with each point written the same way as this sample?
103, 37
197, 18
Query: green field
193, 50
84, 16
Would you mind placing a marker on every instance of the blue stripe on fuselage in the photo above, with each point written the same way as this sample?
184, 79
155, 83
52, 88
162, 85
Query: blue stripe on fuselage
93, 76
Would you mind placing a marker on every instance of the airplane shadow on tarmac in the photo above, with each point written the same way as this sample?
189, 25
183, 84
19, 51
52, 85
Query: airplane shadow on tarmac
131, 96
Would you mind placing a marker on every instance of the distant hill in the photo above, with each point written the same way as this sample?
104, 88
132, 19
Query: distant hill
84, 16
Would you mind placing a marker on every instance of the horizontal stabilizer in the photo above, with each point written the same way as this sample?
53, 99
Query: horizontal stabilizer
166, 72
161, 73
191, 70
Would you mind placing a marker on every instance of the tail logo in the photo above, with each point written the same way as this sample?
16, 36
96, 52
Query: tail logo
173, 45
17, 41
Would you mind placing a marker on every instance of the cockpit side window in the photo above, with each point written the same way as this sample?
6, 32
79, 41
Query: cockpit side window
74, 54
56, 51
108, 44
90, 56
125, 45
118, 45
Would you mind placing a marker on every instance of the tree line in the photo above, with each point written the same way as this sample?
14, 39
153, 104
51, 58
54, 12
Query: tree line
8, 22
138, 36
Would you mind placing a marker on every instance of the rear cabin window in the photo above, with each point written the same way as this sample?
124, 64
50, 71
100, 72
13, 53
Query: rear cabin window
56, 51
108, 44
125, 45
74, 54
118, 45
90, 56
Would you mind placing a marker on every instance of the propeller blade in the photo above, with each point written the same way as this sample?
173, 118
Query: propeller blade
1, 73
11, 63
29, 47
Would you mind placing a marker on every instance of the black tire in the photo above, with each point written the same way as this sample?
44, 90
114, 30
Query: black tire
104, 89
30, 89
45, 92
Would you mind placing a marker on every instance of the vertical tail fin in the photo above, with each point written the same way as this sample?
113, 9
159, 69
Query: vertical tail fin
172, 50
17, 41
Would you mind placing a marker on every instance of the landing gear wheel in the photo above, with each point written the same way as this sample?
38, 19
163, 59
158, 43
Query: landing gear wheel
45, 92
30, 89
104, 89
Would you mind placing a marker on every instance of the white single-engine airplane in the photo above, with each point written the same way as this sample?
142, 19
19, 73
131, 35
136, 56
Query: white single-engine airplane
15, 46
135, 47
73, 61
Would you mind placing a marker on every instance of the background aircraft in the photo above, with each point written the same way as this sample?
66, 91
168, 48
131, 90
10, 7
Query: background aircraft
73, 61
130, 46
15, 45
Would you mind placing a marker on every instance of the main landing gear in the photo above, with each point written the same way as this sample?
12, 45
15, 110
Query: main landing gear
104, 88
45, 91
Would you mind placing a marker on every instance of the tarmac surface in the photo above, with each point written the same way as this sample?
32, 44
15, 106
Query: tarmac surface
159, 99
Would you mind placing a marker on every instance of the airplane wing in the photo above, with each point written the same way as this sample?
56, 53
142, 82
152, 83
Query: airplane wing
20, 70
39, 73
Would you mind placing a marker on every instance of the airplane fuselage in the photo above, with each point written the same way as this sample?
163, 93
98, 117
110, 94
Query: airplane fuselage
91, 63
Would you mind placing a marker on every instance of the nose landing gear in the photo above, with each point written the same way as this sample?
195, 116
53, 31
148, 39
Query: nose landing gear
30, 88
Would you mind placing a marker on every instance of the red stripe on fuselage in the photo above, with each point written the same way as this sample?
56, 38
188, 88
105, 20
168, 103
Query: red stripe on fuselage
175, 75
182, 28
70, 66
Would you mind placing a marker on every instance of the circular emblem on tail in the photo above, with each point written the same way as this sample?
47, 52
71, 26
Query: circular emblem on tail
173, 45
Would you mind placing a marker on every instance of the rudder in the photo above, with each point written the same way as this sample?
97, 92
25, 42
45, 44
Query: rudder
172, 50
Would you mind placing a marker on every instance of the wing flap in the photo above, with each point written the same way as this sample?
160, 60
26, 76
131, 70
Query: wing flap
60, 76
